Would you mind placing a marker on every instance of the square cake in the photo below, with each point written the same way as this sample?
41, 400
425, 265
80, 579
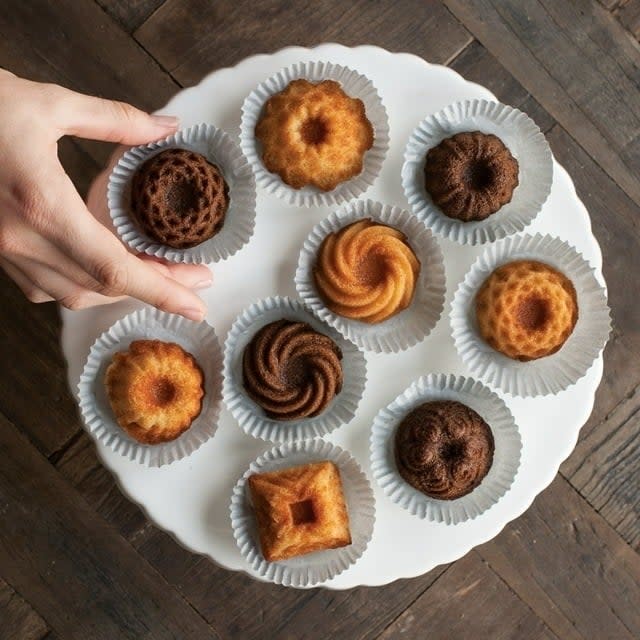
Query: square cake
300, 510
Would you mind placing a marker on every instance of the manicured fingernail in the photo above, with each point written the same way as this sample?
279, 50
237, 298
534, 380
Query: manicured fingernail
203, 284
192, 314
167, 122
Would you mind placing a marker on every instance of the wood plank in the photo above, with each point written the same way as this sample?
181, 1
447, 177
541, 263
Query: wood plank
629, 16
468, 601
211, 35
82, 576
571, 568
555, 50
130, 14
18, 620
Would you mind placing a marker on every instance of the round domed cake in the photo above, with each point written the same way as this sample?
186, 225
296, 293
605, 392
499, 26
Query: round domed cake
366, 271
470, 175
444, 449
314, 135
291, 370
155, 390
526, 309
178, 198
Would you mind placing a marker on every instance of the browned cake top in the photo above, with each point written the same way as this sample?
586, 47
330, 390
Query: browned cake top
178, 198
470, 175
444, 449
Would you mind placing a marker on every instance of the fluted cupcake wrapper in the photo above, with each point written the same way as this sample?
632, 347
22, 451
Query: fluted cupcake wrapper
220, 149
506, 457
250, 416
553, 373
524, 140
410, 326
320, 566
354, 85
199, 339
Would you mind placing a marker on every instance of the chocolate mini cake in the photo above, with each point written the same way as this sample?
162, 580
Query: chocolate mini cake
291, 370
470, 175
444, 449
179, 199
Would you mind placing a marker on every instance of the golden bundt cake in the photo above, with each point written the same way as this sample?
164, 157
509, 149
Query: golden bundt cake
178, 198
526, 309
155, 390
314, 134
366, 271
470, 175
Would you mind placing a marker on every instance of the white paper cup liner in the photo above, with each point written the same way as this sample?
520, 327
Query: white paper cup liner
410, 326
555, 372
506, 457
199, 339
218, 148
317, 567
524, 140
250, 416
354, 85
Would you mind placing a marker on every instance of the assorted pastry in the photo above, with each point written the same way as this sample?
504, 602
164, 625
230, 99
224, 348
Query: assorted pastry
179, 198
155, 390
526, 309
299, 510
291, 371
470, 175
366, 271
314, 134
443, 449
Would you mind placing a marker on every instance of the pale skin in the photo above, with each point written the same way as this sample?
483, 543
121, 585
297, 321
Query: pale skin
52, 244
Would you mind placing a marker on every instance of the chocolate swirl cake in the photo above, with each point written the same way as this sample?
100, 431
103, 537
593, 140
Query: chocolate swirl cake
178, 198
444, 449
291, 370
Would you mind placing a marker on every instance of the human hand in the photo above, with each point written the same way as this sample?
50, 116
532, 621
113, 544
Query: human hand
50, 243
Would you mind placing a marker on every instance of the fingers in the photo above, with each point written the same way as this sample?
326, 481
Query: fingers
193, 276
109, 120
30, 290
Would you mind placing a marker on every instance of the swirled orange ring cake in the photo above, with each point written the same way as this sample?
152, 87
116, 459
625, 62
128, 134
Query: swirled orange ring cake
314, 134
526, 309
366, 271
155, 390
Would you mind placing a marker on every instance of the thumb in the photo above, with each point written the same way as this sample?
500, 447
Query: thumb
110, 120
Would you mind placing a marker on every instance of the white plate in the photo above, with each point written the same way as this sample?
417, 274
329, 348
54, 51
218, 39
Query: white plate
190, 498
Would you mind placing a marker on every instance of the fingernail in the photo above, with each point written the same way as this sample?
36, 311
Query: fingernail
203, 284
193, 314
167, 122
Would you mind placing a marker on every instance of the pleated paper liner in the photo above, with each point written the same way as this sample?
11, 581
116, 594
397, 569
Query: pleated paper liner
219, 149
251, 417
550, 374
320, 566
411, 325
521, 136
506, 457
354, 85
198, 339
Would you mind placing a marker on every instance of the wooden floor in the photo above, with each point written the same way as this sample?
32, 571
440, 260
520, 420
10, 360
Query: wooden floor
77, 560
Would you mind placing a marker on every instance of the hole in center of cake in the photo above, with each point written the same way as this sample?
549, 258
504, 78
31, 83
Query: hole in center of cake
451, 451
182, 196
532, 313
479, 175
302, 512
163, 391
371, 269
296, 373
314, 131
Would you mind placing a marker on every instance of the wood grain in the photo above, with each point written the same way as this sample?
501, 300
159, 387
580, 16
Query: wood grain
193, 37
628, 13
556, 50
18, 620
130, 14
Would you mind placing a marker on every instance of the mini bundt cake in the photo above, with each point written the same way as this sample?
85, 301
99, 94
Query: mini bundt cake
470, 175
526, 309
314, 134
292, 371
366, 271
155, 390
444, 449
178, 198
